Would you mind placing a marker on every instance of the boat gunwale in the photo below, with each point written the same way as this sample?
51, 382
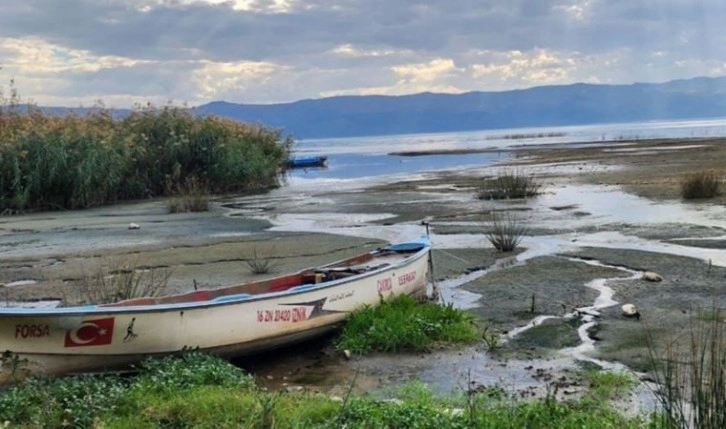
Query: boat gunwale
193, 305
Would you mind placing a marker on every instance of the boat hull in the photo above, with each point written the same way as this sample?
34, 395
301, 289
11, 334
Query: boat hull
61, 342
305, 162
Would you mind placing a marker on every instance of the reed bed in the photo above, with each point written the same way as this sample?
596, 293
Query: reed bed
78, 161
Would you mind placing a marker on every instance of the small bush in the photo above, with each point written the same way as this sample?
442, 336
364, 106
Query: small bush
122, 279
700, 185
505, 234
404, 324
507, 186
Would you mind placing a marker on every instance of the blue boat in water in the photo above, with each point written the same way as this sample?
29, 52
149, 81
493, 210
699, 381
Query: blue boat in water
306, 161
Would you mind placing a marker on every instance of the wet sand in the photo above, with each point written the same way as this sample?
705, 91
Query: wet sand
619, 208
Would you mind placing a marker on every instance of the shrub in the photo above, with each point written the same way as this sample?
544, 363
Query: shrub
700, 185
505, 234
509, 185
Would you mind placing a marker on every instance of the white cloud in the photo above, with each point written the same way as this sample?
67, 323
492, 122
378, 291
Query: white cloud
428, 72
213, 80
283, 50
349, 50
535, 67
579, 10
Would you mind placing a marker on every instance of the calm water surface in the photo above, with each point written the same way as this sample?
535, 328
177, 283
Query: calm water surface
359, 157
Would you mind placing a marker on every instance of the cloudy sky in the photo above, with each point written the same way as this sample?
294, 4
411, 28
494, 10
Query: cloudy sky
73, 52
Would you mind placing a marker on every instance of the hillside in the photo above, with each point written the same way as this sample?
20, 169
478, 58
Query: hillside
540, 106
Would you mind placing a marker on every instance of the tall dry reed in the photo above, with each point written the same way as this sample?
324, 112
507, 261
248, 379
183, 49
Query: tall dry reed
691, 375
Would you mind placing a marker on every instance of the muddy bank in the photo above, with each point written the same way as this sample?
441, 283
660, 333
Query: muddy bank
667, 308
206, 263
649, 168
47, 255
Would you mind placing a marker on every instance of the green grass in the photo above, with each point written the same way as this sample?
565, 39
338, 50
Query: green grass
403, 324
700, 185
52, 162
199, 391
606, 385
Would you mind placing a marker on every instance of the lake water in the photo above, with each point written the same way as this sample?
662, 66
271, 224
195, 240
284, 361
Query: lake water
362, 157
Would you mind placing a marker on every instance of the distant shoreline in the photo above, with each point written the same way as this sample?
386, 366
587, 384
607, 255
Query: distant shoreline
538, 146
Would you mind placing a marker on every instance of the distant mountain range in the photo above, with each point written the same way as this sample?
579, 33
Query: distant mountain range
555, 105
540, 106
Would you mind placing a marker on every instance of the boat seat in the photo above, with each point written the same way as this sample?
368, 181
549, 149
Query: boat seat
235, 297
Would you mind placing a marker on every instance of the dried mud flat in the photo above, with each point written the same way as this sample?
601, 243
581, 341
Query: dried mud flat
607, 213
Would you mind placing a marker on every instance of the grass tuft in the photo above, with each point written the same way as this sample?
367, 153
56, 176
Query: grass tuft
700, 185
509, 185
506, 233
606, 385
120, 279
261, 262
404, 324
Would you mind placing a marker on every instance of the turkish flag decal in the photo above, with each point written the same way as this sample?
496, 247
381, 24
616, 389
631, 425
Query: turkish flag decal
98, 332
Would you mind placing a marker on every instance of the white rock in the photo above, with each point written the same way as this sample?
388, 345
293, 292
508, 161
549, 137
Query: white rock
652, 277
134, 226
293, 389
629, 310
347, 354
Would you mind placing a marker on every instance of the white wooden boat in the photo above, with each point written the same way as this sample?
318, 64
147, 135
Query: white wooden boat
228, 321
